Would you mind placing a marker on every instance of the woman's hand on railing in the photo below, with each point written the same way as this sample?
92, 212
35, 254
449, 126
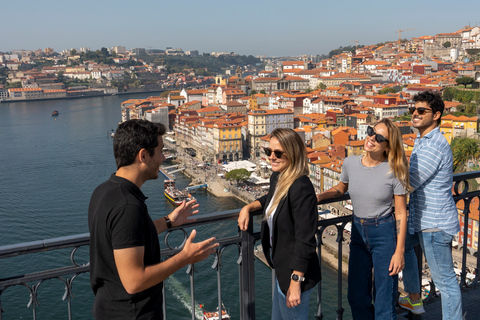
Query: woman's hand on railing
244, 218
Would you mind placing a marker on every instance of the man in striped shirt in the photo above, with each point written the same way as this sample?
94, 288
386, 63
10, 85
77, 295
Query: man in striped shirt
433, 218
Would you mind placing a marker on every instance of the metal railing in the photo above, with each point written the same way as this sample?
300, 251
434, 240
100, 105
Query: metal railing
245, 241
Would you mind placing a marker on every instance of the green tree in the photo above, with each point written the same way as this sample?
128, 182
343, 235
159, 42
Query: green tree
238, 175
263, 91
465, 81
321, 85
448, 94
387, 90
253, 92
12, 85
464, 150
447, 44
60, 76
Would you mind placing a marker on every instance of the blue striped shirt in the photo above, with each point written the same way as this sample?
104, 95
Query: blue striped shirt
431, 176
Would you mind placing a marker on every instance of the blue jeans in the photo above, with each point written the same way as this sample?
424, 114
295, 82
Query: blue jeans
280, 311
411, 279
373, 243
437, 248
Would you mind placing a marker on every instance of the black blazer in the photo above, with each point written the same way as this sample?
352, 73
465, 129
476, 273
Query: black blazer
294, 228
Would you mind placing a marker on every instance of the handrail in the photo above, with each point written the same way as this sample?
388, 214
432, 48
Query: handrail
245, 240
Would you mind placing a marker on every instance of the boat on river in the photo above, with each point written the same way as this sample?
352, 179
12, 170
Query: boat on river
174, 195
215, 316
55, 113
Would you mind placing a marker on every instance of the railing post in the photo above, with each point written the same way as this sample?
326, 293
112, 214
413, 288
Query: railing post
247, 273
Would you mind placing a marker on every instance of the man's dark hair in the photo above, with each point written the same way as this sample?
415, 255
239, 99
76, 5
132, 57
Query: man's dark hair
132, 136
433, 99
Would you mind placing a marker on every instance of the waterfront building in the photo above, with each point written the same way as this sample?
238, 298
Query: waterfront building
35, 93
227, 140
158, 114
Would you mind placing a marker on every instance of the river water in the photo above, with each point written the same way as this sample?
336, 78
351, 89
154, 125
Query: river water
49, 168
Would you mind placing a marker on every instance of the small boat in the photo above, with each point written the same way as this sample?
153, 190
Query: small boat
214, 315
174, 195
55, 113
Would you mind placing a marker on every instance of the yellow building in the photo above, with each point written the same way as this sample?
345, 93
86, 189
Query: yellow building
447, 130
227, 140
355, 148
462, 127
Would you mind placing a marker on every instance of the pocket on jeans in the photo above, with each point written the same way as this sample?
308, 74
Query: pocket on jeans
441, 237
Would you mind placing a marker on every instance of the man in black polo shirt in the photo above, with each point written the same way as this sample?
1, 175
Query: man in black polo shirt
126, 272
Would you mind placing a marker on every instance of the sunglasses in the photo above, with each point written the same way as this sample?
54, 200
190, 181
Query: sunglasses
378, 137
420, 110
277, 153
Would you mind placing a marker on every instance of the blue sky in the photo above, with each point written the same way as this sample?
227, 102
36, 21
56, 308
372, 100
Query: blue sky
257, 27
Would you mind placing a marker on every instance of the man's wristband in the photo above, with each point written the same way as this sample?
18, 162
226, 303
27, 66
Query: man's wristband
169, 223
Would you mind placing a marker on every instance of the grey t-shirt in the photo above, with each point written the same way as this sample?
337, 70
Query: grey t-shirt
371, 188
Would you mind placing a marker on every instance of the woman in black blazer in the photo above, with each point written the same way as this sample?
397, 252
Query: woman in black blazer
289, 225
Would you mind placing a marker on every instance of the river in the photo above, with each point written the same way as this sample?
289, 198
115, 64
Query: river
51, 165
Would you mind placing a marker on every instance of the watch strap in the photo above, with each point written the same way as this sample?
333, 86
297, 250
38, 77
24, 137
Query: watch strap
168, 221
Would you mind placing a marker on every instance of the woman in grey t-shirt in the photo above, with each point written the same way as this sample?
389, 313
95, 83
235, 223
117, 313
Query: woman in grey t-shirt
376, 182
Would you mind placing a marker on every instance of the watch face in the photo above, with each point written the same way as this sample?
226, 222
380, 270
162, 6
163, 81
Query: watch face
294, 277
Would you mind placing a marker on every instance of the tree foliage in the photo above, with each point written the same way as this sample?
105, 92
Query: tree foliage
238, 175
464, 150
341, 49
465, 81
468, 109
464, 96
387, 90
447, 44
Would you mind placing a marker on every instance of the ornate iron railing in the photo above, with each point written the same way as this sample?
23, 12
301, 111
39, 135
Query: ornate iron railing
245, 241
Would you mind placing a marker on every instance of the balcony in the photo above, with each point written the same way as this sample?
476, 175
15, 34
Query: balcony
32, 286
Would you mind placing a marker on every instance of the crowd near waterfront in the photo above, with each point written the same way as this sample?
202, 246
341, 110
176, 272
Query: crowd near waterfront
50, 167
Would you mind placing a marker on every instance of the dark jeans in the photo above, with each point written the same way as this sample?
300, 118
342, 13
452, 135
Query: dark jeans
373, 243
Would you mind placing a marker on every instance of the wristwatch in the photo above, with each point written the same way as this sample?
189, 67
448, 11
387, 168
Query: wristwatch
296, 277
169, 223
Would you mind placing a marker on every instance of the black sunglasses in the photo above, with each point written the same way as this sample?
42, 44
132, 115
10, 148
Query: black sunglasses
277, 153
420, 110
378, 137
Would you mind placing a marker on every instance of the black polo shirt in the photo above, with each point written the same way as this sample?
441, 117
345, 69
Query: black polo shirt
118, 218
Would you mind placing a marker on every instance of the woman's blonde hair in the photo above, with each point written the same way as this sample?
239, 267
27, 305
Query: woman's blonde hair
296, 153
395, 153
